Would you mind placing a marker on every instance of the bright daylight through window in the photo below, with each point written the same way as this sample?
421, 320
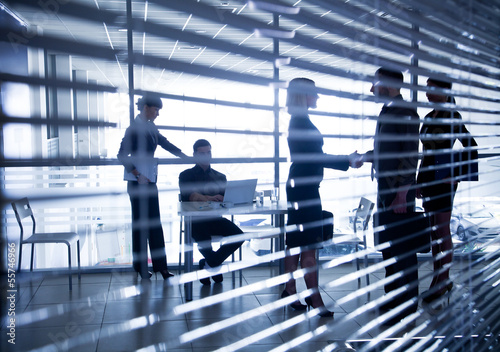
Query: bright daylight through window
370, 129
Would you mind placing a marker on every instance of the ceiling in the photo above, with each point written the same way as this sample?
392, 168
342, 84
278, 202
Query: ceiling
201, 45
114, 36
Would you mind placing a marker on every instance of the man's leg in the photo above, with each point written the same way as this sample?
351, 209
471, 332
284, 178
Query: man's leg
223, 227
407, 265
202, 236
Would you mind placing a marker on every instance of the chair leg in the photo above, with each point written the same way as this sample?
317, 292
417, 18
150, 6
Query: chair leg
317, 265
273, 242
20, 257
357, 265
32, 256
69, 268
181, 247
367, 275
78, 254
366, 263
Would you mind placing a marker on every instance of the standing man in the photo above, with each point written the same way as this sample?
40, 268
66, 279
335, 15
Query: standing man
395, 158
201, 184
137, 156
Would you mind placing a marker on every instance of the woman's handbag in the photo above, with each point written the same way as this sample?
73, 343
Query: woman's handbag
461, 165
327, 225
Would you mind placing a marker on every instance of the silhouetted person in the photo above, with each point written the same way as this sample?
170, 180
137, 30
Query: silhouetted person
302, 189
437, 187
395, 158
201, 184
137, 156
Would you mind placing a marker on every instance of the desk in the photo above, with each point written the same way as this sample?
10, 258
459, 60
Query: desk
190, 210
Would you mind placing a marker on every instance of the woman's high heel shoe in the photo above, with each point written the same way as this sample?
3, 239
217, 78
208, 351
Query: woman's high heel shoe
166, 274
431, 297
324, 312
146, 276
295, 305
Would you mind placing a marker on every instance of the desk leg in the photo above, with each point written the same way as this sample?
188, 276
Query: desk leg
279, 221
188, 256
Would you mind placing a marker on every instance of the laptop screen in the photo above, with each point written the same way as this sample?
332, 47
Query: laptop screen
240, 191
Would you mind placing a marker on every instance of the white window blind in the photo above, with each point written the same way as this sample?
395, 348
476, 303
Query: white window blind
222, 69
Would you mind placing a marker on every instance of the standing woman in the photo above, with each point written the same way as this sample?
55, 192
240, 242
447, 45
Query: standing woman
137, 156
438, 188
302, 189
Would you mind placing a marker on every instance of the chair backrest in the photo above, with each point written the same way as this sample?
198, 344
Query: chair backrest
364, 213
22, 210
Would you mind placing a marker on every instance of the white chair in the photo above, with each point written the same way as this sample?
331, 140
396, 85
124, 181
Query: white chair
22, 210
363, 214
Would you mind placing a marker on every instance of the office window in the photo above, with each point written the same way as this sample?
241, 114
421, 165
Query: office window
73, 72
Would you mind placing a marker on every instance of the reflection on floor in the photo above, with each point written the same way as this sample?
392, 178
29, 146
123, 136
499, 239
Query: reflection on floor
118, 312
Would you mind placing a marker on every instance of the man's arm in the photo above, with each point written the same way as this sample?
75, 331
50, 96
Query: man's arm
368, 157
192, 189
409, 161
399, 205
407, 168
198, 197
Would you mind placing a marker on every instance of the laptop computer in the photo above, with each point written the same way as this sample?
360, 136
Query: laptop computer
239, 192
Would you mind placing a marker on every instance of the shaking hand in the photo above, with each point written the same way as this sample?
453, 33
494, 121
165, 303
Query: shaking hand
355, 160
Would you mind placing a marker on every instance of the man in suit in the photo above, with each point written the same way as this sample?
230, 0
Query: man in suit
201, 184
395, 158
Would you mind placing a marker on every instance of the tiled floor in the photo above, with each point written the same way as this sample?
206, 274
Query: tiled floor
118, 312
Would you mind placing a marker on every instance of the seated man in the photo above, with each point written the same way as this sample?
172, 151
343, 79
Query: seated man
200, 184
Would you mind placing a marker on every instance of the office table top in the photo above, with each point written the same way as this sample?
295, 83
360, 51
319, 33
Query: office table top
219, 208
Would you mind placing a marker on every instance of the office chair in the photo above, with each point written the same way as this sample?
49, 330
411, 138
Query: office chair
363, 214
22, 210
